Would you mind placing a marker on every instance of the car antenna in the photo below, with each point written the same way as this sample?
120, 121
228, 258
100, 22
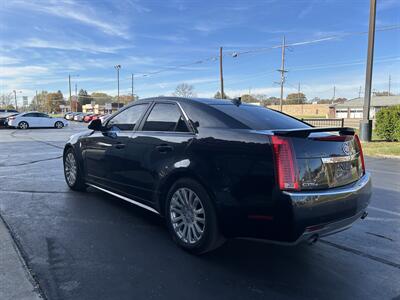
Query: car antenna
237, 101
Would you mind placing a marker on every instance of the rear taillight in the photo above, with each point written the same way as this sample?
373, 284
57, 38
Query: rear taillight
361, 152
285, 162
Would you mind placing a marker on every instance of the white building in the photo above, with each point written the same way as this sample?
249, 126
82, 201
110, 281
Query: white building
353, 109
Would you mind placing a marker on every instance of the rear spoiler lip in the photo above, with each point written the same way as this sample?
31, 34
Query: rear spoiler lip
305, 132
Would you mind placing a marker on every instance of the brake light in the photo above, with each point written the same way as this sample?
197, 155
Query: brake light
361, 152
285, 162
332, 138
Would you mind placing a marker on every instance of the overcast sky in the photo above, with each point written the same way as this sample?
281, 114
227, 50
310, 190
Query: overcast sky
44, 41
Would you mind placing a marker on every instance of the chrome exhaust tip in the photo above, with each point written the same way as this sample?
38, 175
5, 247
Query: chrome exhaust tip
364, 215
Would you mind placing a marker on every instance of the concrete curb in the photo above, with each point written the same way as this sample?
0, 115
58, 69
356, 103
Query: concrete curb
16, 282
383, 156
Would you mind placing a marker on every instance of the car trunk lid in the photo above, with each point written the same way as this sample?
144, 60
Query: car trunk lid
317, 158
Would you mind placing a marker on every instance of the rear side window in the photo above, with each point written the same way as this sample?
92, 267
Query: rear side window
165, 117
127, 119
259, 118
30, 115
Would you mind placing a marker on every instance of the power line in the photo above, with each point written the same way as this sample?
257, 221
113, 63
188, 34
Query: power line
236, 54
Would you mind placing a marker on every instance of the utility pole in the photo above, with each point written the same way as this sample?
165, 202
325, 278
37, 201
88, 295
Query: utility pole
359, 92
334, 94
366, 123
390, 81
221, 74
117, 67
132, 88
298, 93
76, 95
37, 103
283, 71
15, 98
70, 96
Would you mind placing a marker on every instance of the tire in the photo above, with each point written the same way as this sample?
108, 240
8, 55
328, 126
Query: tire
23, 125
72, 172
59, 125
204, 236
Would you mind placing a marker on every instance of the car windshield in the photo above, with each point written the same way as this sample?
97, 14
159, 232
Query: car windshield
260, 118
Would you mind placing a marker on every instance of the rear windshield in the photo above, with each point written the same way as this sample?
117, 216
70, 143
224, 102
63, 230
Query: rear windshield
259, 118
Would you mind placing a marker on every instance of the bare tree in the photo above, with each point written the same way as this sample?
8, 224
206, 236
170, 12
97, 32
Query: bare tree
184, 90
6, 100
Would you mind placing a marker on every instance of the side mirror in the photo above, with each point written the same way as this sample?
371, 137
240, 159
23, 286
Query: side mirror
195, 124
96, 125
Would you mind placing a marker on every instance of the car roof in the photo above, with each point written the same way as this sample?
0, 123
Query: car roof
207, 101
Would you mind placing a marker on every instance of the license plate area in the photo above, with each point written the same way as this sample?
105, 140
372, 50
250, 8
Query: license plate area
342, 170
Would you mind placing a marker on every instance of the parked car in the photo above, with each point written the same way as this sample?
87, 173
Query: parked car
79, 117
5, 114
67, 115
219, 169
75, 117
70, 116
89, 117
35, 119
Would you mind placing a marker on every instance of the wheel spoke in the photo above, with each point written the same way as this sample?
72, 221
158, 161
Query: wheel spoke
199, 220
197, 226
184, 232
199, 211
177, 219
189, 234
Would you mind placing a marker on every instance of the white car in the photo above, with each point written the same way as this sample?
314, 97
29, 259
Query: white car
35, 119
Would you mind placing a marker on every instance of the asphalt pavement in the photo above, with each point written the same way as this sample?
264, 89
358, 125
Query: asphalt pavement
94, 246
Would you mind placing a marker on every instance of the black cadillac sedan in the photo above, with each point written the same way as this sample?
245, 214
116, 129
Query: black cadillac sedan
218, 169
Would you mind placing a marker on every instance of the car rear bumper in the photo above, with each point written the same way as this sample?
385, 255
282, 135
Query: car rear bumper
321, 213
292, 217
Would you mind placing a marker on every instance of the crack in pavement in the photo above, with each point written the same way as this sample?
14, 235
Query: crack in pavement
362, 254
380, 236
31, 162
34, 192
13, 134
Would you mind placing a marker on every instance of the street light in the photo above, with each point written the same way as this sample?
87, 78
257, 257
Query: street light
117, 67
69, 84
15, 98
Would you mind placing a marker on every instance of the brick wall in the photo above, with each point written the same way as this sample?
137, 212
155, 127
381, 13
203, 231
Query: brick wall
318, 110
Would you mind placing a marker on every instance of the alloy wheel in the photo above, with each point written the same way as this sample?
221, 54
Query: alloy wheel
59, 125
187, 215
70, 168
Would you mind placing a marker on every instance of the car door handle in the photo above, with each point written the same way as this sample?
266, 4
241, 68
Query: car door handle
119, 146
164, 148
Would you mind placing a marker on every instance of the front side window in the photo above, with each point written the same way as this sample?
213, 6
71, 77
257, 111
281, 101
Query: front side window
29, 115
165, 117
127, 119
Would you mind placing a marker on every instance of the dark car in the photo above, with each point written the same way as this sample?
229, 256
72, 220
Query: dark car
219, 169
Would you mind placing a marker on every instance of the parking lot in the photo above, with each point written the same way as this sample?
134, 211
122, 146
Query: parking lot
94, 246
